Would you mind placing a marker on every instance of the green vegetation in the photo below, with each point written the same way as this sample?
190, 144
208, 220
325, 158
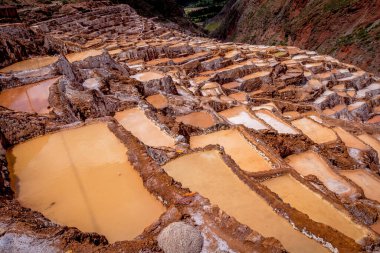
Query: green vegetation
358, 36
212, 26
366, 34
336, 5
201, 3
201, 10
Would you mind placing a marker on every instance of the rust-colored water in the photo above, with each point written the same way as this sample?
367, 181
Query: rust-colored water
158, 101
310, 163
371, 141
82, 178
147, 76
316, 132
200, 119
39, 62
376, 227
28, 98
206, 173
135, 121
244, 154
80, 56
305, 200
350, 140
34, 63
369, 183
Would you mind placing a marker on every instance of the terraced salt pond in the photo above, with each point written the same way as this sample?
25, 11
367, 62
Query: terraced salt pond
30, 64
200, 119
147, 76
350, 140
206, 173
81, 177
28, 98
158, 101
135, 121
371, 141
376, 227
275, 122
315, 131
310, 163
369, 183
305, 200
240, 115
40, 62
80, 56
242, 152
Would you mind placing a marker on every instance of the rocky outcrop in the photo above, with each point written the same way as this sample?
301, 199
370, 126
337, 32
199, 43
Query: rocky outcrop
5, 187
19, 42
165, 10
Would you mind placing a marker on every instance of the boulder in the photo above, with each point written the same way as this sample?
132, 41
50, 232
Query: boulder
180, 237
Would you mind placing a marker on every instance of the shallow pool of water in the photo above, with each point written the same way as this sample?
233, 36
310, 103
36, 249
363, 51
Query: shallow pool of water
275, 122
299, 196
80, 56
310, 163
350, 140
30, 64
28, 98
376, 227
371, 141
369, 183
82, 178
240, 115
246, 156
158, 101
200, 119
315, 131
40, 62
135, 121
147, 76
206, 173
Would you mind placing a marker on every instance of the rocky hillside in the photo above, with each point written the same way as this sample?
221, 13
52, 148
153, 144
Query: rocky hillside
166, 11
200, 11
163, 9
346, 29
18, 41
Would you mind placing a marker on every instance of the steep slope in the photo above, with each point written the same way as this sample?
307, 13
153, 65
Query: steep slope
18, 42
200, 11
167, 11
346, 29
163, 9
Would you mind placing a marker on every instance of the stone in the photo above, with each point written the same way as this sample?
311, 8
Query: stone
180, 237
